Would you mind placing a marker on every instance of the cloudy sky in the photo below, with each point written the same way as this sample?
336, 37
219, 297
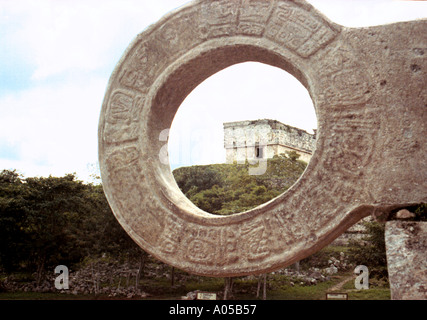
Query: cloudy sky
56, 57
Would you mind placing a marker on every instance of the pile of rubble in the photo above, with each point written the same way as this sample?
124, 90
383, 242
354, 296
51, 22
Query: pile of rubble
12, 284
106, 279
112, 279
315, 275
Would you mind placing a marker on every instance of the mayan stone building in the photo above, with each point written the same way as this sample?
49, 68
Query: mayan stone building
262, 139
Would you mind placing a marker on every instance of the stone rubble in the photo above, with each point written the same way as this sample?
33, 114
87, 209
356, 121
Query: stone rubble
118, 280
315, 275
104, 279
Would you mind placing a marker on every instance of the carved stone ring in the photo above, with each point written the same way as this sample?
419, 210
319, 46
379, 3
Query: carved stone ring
368, 86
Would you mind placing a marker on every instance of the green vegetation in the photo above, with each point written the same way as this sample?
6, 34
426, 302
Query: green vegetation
20, 295
302, 292
279, 287
229, 188
420, 212
371, 251
49, 221
371, 294
378, 290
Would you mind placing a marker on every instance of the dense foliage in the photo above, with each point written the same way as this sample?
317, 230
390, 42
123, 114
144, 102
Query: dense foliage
55, 220
46, 221
371, 251
229, 188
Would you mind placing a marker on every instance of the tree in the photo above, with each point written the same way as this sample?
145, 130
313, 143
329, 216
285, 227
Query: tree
13, 238
371, 250
204, 177
56, 220
210, 200
54, 210
293, 155
229, 188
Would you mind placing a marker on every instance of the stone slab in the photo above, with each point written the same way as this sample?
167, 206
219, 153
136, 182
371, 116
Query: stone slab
406, 245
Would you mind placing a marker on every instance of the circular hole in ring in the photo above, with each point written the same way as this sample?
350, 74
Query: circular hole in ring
180, 84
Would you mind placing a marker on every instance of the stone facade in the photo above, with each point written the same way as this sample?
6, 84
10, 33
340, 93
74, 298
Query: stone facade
262, 139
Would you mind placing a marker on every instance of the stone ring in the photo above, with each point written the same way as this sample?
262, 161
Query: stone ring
368, 86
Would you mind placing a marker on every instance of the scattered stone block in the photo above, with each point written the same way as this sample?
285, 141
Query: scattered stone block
404, 214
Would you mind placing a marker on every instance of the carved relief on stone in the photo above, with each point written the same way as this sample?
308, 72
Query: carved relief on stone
407, 142
254, 238
220, 17
138, 73
121, 124
229, 248
179, 34
253, 17
146, 215
277, 226
170, 239
124, 175
340, 184
298, 30
123, 157
352, 141
345, 79
201, 245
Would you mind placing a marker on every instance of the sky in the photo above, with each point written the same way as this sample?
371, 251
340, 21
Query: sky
56, 57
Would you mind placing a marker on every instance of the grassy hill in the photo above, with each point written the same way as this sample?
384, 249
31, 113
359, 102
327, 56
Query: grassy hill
229, 188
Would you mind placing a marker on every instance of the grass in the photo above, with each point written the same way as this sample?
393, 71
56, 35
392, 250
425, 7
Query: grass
301, 292
210, 284
279, 288
21, 295
370, 294
378, 290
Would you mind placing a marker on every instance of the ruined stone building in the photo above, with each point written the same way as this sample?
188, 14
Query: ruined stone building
262, 139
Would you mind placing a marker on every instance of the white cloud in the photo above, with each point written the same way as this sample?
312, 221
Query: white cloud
54, 126
76, 36
72, 47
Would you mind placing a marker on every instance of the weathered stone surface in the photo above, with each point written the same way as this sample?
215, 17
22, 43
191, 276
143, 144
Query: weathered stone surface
404, 214
368, 86
406, 244
242, 138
